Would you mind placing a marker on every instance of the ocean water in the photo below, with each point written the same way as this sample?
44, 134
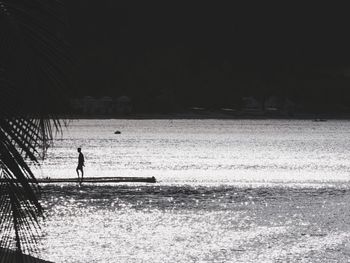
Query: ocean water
226, 191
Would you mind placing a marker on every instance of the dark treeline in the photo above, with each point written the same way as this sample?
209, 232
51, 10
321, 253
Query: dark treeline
170, 57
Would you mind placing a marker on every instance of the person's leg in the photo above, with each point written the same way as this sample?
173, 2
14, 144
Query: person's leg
78, 175
82, 173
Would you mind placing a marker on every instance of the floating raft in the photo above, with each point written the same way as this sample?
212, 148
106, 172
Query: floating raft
97, 180
100, 180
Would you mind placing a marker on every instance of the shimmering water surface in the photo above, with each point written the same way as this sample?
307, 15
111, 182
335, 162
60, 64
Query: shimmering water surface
227, 191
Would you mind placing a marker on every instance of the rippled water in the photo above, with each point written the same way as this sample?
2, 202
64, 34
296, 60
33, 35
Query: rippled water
227, 191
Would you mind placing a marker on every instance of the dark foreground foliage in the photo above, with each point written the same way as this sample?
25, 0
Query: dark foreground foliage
33, 62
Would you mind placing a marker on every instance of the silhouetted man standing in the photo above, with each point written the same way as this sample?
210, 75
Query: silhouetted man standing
80, 165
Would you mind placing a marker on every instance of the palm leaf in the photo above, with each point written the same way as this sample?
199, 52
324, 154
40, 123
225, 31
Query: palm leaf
33, 79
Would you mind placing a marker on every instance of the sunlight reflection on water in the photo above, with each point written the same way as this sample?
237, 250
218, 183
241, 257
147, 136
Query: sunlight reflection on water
228, 191
158, 223
205, 150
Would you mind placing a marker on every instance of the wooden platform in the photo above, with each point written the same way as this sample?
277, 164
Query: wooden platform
98, 180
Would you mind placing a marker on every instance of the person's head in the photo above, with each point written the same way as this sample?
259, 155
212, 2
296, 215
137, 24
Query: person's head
79, 150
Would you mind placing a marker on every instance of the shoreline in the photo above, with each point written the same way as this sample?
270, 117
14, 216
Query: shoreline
178, 116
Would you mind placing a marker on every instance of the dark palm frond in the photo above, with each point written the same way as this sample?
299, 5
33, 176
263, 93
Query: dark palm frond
33, 81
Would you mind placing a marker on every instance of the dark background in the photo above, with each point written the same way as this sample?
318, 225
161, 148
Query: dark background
211, 55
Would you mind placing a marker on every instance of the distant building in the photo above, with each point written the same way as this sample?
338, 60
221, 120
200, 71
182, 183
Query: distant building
85, 105
106, 105
273, 104
123, 105
88, 105
278, 105
289, 107
250, 104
